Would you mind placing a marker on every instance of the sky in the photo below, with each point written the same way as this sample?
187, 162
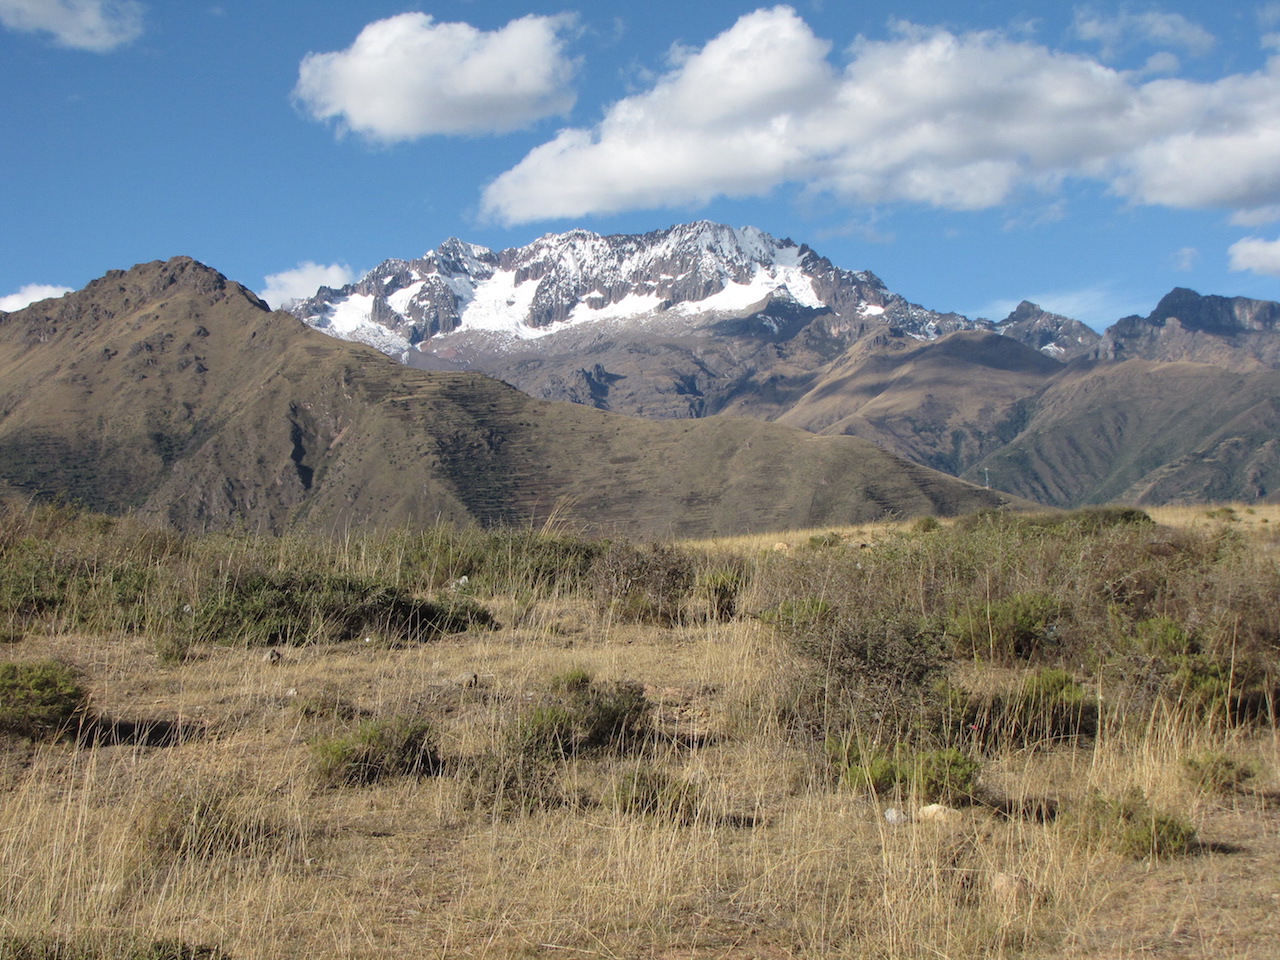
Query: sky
1087, 157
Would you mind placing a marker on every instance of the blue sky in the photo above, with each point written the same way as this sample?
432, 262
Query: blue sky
1087, 157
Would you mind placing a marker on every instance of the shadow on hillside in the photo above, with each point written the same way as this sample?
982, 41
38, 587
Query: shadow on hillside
1214, 846
101, 731
1029, 809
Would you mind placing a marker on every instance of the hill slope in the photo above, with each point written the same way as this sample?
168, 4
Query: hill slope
173, 392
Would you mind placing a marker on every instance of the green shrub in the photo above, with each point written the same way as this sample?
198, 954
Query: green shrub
40, 699
396, 747
1134, 829
876, 772
948, 775
1201, 683
572, 681
1164, 637
1002, 631
507, 560
1216, 772
1049, 706
579, 714
717, 590
866, 672
655, 793
926, 524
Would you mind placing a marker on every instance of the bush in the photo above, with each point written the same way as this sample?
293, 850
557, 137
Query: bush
579, 714
40, 699
1017, 628
289, 607
642, 584
1201, 683
506, 783
209, 821
1049, 706
1217, 772
931, 776
944, 776
716, 592
866, 672
926, 524
1164, 637
397, 747
655, 793
1134, 829
503, 560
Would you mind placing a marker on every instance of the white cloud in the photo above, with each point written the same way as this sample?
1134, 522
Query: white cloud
408, 76
303, 281
1256, 217
29, 294
1152, 28
1184, 258
97, 25
1256, 255
960, 121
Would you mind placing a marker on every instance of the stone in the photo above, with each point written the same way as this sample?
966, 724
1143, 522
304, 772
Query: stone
938, 813
1012, 890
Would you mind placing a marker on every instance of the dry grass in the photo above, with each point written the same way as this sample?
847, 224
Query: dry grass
783, 864
228, 839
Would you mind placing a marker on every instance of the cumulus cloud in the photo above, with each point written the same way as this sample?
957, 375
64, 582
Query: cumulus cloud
303, 281
409, 76
29, 294
960, 121
1256, 255
1154, 28
97, 25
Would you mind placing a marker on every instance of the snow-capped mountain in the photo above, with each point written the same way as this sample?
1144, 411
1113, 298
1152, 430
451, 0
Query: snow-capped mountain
683, 277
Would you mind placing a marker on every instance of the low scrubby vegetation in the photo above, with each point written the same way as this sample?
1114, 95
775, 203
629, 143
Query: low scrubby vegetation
920, 740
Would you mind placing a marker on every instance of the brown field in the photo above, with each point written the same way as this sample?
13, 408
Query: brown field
227, 839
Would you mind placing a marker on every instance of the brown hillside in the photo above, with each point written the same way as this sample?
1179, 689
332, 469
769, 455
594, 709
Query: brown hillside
1145, 431
173, 392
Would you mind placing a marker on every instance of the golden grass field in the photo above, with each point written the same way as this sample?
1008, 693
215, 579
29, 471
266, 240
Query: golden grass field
775, 861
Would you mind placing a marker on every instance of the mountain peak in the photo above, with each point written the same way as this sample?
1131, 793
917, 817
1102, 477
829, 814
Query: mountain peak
1232, 332
1221, 315
685, 275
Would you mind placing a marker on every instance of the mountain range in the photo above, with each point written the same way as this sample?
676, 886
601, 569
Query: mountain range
704, 321
171, 392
